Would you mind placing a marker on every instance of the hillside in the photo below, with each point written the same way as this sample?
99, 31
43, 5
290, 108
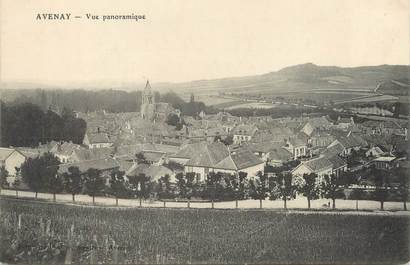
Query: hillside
300, 78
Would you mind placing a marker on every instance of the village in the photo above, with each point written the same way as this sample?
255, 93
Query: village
144, 143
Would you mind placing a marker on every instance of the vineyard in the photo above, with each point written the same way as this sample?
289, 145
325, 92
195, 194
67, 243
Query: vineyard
32, 232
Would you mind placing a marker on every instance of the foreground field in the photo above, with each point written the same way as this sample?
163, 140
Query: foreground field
50, 233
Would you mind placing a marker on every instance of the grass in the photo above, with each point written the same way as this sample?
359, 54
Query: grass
169, 236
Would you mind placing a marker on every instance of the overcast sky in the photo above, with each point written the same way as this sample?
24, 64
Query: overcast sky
191, 40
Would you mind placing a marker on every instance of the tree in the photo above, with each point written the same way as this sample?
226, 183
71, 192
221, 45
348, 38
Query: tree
258, 187
36, 172
309, 187
381, 192
280, 186
228, 140
331, 188
140, 186
141, 158
16, 184
213, 186
94, 184
54, 182
73, 182
173, 119
190, 186
164, 188
117, 185
403, 188
3, 177
357, 194
181, 185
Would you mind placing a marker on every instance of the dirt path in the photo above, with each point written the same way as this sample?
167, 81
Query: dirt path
300, 203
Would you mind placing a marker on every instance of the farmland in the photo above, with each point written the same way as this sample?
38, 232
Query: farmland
58, 234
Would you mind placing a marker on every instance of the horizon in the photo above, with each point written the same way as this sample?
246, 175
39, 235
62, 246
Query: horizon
186, 41
100, 85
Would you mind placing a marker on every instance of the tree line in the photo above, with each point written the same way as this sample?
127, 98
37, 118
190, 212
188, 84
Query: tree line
41, 175
111, 100
28, 125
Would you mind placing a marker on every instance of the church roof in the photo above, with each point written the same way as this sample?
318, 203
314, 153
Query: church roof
147, 86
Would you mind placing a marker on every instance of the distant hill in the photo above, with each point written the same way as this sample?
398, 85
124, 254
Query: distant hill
300, 78
395, 87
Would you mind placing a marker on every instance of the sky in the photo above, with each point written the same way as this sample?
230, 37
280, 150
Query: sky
193, 40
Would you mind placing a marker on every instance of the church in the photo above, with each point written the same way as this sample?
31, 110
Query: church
152, 111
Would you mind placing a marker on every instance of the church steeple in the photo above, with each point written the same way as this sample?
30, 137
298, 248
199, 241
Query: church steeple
147, 95
147, 85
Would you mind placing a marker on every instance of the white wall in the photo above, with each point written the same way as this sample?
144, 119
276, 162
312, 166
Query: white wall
13, 161
252, 171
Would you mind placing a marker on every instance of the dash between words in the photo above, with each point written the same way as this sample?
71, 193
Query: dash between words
89, 16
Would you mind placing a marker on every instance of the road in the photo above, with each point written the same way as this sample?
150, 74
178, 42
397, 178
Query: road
298, 203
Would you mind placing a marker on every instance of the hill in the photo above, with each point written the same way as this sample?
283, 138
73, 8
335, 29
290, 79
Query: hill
300, 78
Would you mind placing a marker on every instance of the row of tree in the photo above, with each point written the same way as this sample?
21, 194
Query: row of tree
28, 125
41, 175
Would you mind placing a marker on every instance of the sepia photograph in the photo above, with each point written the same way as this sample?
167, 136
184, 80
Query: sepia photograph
204, 132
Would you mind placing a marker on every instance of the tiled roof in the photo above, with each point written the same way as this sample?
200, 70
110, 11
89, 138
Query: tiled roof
336, 161
93, 154
318, 164
239, 160
153, 156
100, 164
296, 141
336, 149
384, 159
5, 152
280, 154
319, 122
244, 129
349, 142
244, 159
156, 172
98, 138
66, 148
207, 155
264, 147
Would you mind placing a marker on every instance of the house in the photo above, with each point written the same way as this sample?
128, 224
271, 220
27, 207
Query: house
154, 157
339, 165
106, 166
97, 140
296, 146
335, 149
202, 158
64, 151
243, 133
271, 152
312, 124
385, 162
385, 127
320, 138
240, 161
321, 166
12, 160
375, 151
348, 143
79, 155
275, 134
278, 156
344, 123
153, 171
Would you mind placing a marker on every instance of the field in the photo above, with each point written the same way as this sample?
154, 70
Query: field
49, 233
